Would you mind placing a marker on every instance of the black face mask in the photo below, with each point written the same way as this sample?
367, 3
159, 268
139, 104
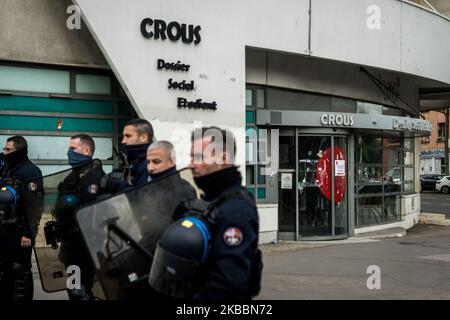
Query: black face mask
136, 151
215, 183
16, 157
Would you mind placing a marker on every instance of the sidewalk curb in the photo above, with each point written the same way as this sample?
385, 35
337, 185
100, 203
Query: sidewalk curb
437, 219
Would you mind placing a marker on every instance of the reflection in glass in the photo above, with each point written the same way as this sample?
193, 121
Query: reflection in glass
315, 212
340, 207
366, 175
370, 210
249, 175
392, 208
409, 158
409, 174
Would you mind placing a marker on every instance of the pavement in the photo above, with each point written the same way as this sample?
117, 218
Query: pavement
414, 266
435, 202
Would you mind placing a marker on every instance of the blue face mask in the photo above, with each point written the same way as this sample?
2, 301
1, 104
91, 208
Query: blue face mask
76, 158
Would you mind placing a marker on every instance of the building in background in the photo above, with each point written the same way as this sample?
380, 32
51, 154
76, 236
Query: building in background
432, 155
324, 96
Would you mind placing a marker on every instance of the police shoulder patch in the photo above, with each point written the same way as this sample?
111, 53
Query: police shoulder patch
32, 186
233, 236
93, 188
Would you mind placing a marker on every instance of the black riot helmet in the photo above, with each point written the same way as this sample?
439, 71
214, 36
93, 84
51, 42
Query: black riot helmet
8, 201
181, 255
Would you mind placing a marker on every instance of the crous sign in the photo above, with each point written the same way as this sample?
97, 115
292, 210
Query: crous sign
173, 30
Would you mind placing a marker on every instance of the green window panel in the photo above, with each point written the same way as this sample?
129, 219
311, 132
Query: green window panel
92, 84
55, 147
49, 124
261, 193
55, 105
34, 80
252, 191
250, 116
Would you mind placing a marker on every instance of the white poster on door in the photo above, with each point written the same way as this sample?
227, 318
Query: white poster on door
286, 181
339, 168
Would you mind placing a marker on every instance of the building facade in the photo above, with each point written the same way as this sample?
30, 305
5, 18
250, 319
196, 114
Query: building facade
323, 96
432, 155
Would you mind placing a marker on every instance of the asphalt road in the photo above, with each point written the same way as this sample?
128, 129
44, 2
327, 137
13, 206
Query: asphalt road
435, 202
416, 266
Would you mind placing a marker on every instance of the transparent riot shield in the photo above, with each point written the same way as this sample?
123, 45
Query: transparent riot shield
49, 245
52, 271
122, 232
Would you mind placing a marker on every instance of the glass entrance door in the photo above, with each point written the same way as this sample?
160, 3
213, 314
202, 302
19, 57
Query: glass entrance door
286, 186
322, 187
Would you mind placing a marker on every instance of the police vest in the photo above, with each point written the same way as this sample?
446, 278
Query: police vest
180, 262
9, 201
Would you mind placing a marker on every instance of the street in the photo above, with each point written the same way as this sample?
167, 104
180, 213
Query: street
416, 266
435, 202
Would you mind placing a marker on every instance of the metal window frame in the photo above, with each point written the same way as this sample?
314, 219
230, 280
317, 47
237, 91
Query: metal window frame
73, 70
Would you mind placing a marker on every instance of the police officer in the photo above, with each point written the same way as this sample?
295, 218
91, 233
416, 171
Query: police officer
234, 260
161, 160
19, 219
81, 186
137, 137
161, 163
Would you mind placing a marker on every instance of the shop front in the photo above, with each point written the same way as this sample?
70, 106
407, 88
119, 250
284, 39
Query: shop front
341, 173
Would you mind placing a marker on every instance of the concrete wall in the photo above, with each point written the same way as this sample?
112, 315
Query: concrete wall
327, 77
36, 31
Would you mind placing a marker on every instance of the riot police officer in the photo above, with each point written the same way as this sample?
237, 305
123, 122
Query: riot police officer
21, 203
81, 186
137, 137
213, 249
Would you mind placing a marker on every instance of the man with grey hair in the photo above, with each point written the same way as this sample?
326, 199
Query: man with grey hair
161, 159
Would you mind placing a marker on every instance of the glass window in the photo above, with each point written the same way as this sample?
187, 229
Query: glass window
250, 116
92, 84
409, 158
408, 174
366, 175
261, 175
249, 175
261, 193
409, 144
383, 171
259, 98
34, 80
368, 153
392, 208
55, 148
370, 210
368, 108
248, 97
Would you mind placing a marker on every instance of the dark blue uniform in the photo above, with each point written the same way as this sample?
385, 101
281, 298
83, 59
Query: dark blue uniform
16, 279
234, 240
137, 160
84, 184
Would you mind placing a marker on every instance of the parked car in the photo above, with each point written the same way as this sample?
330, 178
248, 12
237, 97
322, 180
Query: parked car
443, 185
428, 181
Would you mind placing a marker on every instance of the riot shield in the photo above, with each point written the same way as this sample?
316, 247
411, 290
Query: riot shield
49, 245
121, 232
52, 271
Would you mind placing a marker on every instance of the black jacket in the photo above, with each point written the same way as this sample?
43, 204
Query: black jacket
31, 191
234, 241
